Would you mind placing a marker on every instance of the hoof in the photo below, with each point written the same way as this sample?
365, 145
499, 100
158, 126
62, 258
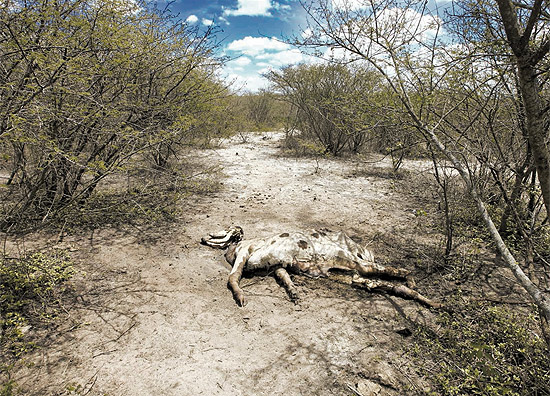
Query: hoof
239, 299
294, 297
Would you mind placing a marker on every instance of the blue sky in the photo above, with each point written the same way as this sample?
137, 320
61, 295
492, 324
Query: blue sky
252, 31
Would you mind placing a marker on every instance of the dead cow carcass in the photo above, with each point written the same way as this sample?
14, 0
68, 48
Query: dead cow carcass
312, 253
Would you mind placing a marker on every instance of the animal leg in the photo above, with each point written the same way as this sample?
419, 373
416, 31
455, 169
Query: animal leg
284, 278
396, 290
235, 278
377, 269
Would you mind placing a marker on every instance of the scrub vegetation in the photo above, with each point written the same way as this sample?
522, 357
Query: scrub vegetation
108, 110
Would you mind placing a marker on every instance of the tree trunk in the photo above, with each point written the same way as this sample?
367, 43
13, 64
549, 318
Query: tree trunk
528, 55
534, 114
511, 202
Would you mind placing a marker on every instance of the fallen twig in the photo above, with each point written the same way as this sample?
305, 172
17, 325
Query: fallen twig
352, 389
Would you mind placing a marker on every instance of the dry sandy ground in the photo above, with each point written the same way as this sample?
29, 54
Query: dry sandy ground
153, 314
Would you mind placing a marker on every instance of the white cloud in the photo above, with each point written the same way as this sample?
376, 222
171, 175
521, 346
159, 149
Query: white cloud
207, 22
266, 52
191, 19
279, 6
350, 5
242, 61
251, 8
411, 23
306, 33
254, 46
259, 55
395, 28
249, 82
282, 58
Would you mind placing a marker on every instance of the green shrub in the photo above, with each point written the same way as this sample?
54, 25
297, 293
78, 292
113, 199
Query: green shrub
30, 294
31, 288
482, 349
8, 388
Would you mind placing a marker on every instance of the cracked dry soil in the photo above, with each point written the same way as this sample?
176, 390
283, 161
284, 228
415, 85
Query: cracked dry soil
156, 318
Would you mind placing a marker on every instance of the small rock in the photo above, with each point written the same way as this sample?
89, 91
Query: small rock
25, 329
368, 388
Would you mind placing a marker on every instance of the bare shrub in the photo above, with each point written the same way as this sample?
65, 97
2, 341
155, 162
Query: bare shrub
87, 85
330, 103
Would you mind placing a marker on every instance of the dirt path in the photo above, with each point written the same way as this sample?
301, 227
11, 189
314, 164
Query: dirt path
157, 318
